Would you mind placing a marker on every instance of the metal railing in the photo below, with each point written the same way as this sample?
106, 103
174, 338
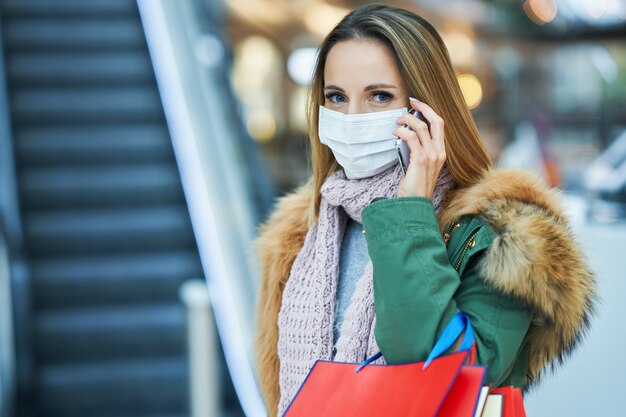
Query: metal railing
7, 353
202, 350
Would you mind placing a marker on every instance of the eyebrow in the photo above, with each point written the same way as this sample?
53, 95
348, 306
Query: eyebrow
368, 88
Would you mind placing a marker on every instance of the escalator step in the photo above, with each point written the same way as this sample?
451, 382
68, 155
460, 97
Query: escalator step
92, 144
78, 105
112, 279
73, 34
96, 413
35, 69
113, 230
109, 333
82, 8
140, 387
100, 186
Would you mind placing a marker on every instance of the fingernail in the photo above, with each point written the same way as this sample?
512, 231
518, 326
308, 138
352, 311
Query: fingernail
413, 99
399, 119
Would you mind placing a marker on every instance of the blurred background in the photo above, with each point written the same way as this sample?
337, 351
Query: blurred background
143, 142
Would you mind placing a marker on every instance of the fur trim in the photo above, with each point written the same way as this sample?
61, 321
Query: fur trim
534, 257
279, 241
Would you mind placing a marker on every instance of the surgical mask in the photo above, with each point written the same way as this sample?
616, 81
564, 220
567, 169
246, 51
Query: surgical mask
362, 143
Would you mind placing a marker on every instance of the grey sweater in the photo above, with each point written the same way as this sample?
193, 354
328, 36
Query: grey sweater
352, 260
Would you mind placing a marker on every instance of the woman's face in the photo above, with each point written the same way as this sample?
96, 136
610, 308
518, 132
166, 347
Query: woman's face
361, 76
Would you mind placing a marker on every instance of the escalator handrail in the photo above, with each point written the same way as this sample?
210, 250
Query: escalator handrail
10, 218
216, 193
7, 352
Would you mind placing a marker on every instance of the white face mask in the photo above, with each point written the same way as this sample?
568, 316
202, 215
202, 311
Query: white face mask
362, 143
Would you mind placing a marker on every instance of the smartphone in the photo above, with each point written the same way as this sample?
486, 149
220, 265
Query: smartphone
403, 149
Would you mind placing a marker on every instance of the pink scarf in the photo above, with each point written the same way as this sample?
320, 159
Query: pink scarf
306, 317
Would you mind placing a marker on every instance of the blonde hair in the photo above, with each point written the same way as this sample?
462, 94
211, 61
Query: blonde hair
427, 71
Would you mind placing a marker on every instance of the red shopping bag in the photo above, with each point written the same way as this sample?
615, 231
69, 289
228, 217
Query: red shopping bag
463, 398
441, 386
335, 390
512, 404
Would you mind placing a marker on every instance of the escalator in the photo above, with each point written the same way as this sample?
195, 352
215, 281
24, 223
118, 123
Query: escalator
106, 228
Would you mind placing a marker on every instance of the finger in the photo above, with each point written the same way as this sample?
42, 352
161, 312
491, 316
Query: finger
415, 124
420, 160
437, 131
431, 152
411, 139
426, 111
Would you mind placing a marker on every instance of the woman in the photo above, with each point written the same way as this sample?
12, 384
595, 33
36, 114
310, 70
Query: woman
364, 258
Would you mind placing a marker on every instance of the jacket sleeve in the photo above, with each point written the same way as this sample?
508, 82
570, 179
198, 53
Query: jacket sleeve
417, 290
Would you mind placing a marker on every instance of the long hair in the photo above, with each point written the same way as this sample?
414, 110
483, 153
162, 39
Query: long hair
427, 71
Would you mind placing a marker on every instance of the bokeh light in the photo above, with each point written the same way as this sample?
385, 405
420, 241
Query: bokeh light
460, 46
541, 11
261, 125
472, 90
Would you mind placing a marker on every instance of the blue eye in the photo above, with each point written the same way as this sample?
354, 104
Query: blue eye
335, 98
382, 97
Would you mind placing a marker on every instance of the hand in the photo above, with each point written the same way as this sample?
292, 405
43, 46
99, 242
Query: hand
428, 152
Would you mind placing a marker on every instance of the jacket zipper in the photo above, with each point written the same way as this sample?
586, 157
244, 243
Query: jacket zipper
470, 244
447, 235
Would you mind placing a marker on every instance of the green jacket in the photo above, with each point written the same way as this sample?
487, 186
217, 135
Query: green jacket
512, 265
420, 282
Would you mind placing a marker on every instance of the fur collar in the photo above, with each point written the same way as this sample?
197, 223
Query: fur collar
534, 257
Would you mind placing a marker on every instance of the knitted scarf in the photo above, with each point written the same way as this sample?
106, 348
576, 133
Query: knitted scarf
305, 321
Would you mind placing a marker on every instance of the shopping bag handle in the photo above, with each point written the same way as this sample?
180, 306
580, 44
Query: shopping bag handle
452, 331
